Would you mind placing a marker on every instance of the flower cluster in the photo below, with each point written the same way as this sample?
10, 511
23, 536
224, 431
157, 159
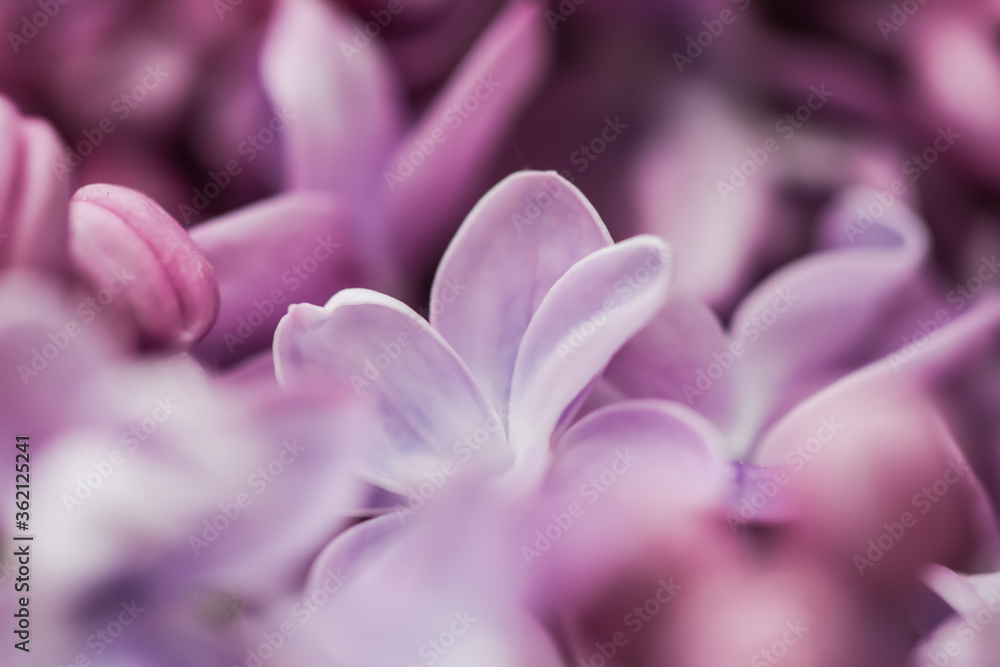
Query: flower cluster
315, 348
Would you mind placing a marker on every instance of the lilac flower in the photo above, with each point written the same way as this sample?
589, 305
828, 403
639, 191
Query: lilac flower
510, 356
531, 344
681, 512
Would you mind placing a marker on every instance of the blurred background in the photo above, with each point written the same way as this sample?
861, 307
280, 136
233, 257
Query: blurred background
694, 86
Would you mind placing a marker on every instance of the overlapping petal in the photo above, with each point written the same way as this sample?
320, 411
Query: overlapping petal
520, 238
371, 346
585, 318
463, 125
342, 102
293, 248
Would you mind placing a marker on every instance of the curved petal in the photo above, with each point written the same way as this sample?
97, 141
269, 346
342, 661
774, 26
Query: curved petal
681, 189
677, 451
340, 98
601, 302
401, 601
299, 494
453, 140
124, 243
33, 194
520, 238
40, 238
353, 552
976, 601
435, 419
878, 433
813, 318
672, 356
292, 248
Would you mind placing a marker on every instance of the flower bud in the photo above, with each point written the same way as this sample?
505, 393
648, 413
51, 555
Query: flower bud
33, 193
143, 264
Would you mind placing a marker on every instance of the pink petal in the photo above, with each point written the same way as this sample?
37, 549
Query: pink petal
33, 197
674, 451
292, 248
601, 302
667, 358
343, 108
401, 594
807, 323
368, 345
503, 70
300, 500
501, 265
718, 236
877, 434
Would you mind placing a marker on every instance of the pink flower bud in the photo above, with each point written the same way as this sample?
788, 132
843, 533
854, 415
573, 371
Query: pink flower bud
142, 264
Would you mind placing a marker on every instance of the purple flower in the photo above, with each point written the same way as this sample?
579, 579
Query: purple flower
507, 357
529, 303
589, 513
